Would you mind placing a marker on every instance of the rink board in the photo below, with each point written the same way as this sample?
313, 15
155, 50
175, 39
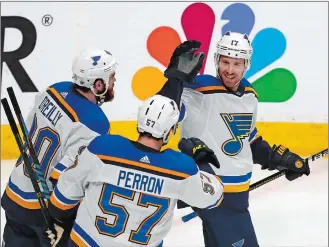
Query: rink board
302, 138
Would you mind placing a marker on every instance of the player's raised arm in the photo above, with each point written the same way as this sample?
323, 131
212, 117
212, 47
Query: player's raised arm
183, 67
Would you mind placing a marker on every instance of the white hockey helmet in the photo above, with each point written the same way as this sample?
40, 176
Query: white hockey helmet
235, 45
157, 116
93, 64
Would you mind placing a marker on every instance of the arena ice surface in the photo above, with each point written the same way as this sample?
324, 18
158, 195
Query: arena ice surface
290, 214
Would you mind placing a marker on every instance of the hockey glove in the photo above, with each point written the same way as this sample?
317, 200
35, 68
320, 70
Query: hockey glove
184, 65
54, 237
281, 158
198, 150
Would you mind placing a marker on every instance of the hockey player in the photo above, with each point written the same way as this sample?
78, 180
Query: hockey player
64, 118
129, 189
222, 111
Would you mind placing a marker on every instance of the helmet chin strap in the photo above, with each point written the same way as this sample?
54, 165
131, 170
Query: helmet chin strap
100, 98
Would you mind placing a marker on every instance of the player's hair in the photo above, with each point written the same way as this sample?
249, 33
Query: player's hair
86, 89
149, 135
83, 89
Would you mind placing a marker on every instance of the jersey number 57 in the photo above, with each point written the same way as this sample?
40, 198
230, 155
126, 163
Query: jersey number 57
142, 234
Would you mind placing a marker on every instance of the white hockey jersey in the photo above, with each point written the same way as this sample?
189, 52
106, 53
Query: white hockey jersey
226, 123
60, 123
128, 192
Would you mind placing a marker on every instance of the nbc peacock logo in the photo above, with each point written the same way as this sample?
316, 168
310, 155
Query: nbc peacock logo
198, 20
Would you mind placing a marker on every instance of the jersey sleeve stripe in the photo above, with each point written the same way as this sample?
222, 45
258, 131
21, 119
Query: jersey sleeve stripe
57, 171
54, 201
65, 106
55, 174
236, 179
256, 137
60, 167
143, 167
253, 134
60, 201
81, 238
233, 184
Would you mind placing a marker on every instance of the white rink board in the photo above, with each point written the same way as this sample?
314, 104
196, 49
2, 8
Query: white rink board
123, 28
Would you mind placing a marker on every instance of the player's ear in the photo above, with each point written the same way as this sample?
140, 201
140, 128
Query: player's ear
171, 133
99, 85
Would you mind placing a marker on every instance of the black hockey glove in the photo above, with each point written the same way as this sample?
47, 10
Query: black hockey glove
184, 65
55, 236
281, 158
62, 231
198, 150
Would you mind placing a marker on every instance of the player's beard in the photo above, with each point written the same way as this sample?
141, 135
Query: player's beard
109, 96
230, 80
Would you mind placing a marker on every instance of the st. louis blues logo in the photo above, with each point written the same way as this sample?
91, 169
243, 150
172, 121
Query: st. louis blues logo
239, 125
95, 59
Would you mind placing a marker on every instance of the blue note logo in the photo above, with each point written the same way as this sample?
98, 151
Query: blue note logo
95, 59
239, 125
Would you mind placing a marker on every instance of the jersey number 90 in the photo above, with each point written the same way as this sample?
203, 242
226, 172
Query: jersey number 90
46, 145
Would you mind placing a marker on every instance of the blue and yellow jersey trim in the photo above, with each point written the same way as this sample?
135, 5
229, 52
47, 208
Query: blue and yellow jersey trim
26, 200
58, 169
250, 90
78, 108
61, 202
253, 136
81, 238
217, 203
208, 84
149, 168
120, 151
234, 184
220, 200
63, 104
212, 89
222, 89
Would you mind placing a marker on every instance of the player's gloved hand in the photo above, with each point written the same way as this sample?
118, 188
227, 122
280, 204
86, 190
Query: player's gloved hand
281, 158
198, 150
54, 237
184, 65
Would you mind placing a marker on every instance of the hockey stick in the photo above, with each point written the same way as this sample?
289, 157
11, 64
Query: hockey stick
266, 180
27, 140
14, 129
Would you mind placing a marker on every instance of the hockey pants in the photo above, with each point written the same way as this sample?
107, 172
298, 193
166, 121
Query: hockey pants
229, 224
17, 234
